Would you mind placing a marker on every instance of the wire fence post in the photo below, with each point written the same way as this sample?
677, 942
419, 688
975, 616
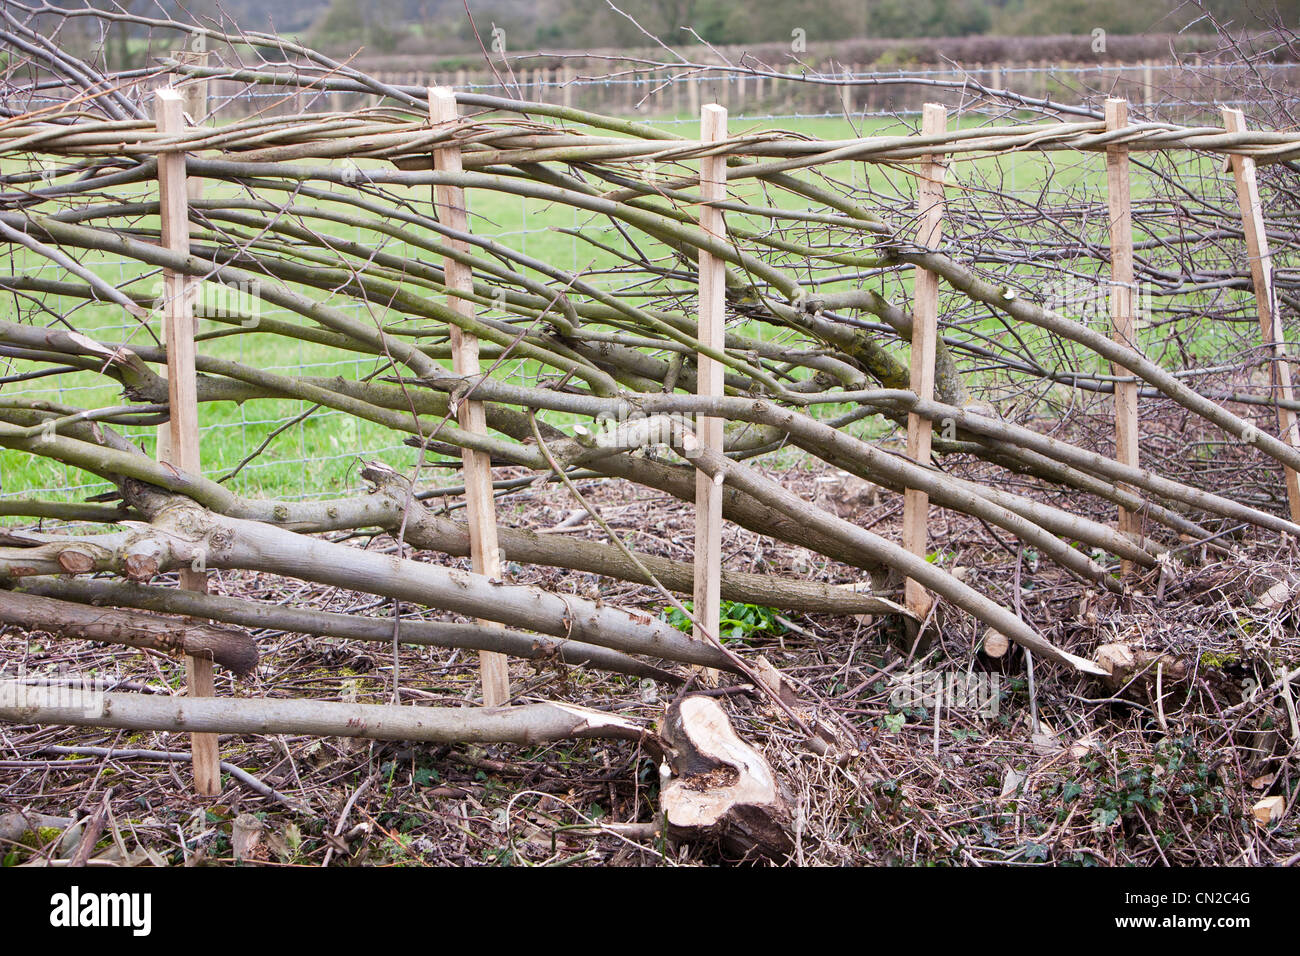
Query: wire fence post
925, 333
179, 292
1261, 277
480, 505
712, 335
1123, 319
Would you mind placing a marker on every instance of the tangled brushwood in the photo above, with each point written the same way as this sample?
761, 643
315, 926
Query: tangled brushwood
1136, 678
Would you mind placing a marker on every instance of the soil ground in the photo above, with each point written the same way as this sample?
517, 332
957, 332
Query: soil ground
1107, 777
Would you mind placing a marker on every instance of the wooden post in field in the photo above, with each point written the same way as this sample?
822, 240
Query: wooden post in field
182, 394
712, 333
1261, 276
480, 505
1122, 315
925, 334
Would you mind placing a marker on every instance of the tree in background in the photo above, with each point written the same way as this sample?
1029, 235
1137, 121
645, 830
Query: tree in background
929, 18
440, 26
378, 25
1039, 17
574, 24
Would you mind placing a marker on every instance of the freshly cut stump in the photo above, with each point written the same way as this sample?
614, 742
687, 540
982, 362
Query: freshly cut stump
722, 790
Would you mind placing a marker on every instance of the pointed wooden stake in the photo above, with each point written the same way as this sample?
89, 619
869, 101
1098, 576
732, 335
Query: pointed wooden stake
1261, 275
712, 333
925, 334
480, 505
1122, 314
182, 395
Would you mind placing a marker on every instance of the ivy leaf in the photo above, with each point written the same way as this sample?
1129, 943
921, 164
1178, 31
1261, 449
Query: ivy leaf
1035, 851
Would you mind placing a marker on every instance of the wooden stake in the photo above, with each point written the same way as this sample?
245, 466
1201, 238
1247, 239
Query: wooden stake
712, 333
485, 554
925, 333
1261, 276
194, 101
1122, 316
182, 395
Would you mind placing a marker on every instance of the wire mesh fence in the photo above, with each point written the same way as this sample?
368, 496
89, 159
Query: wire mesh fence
1175, 91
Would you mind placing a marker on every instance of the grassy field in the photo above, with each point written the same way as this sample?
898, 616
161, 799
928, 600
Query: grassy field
308, 453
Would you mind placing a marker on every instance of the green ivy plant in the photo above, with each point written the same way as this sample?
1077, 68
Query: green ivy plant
739, 622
